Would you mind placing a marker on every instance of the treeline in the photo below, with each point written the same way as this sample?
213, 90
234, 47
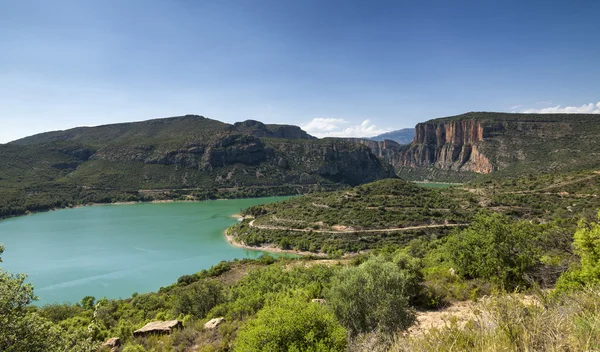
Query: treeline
17, 201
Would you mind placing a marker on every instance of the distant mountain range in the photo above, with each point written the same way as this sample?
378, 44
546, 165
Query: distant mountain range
402, 136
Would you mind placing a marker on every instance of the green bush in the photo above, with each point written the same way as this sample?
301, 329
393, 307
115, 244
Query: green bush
587, 246
374, 295
219, 269
497, 249
198, 299
292, 324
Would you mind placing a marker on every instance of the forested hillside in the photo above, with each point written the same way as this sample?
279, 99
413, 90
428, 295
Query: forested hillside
188, 157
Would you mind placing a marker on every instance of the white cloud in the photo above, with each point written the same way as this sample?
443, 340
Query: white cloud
591, 108
332, 127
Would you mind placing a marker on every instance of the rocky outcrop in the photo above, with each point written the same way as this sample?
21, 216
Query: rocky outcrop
259, 129
213, 323
335, 159
195, 152
453, 145
387, 149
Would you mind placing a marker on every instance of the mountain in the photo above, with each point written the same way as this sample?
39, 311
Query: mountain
180, 156
388, 150
402, 136
486, 142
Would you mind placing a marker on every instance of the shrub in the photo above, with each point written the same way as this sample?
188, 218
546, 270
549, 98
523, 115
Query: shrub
292, 324
371, 296
495, 248
587, 246
219, 269
198, 298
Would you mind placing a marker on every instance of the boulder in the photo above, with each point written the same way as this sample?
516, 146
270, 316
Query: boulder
113, 343
213, 323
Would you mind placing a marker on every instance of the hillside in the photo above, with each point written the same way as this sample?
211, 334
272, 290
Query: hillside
387, 211
395, 211
186, 156
402, 136
512, 144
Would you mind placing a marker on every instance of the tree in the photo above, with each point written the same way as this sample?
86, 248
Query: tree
372, 296
495, 248
198, 298
24, 331
587, 245
88, 302
292, 324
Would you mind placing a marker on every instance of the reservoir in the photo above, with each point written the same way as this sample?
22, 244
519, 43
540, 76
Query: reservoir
115, 250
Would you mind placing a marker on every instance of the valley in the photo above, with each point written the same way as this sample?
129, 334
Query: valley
378, 240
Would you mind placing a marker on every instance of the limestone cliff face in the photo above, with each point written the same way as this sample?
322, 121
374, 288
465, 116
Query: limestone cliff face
453, 145
387, 150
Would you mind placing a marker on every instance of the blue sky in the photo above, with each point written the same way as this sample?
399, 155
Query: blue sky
333, 67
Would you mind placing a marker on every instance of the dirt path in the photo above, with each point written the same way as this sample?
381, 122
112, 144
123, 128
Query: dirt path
458, 312
560, 184
392, 229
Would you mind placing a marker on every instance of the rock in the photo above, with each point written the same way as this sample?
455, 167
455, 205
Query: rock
213, 323
114, 343
158, 327
387, 149
452, 145
259, 129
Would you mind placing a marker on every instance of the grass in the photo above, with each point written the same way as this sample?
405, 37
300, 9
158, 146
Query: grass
508, 323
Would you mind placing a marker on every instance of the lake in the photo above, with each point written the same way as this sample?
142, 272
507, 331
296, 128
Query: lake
116, 250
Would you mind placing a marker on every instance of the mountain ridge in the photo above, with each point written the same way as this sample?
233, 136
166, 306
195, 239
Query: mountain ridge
401, 136
114, 162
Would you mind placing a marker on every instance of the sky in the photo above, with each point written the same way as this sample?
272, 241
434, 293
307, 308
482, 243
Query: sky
336, 68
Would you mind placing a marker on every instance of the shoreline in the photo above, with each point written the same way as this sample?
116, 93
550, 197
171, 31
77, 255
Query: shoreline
269, 248
155, 201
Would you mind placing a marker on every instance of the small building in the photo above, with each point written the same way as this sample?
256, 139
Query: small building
158, 328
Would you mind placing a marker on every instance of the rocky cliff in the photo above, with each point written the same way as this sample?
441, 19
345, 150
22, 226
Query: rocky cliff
388, 150
450, 145
485, 142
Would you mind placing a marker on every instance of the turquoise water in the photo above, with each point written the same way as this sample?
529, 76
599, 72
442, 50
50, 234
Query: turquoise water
115, 250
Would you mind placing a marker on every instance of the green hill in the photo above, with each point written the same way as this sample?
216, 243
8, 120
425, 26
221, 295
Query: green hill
394, 211
181, 157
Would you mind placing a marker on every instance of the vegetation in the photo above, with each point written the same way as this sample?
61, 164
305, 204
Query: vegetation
292, 324
268, 304
25, 330
523, 248
372, 296
496, 249
395, 212
182, 158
